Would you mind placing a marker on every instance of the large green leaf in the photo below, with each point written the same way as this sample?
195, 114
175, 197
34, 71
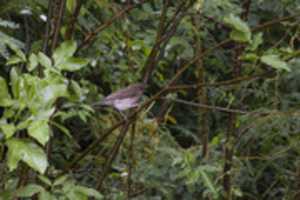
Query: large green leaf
64, 52
5, 99
241, 30
40, 131
275, 62
52, 92
28, 152
72, 64
44, 60
8, 130
33, 62
29, 190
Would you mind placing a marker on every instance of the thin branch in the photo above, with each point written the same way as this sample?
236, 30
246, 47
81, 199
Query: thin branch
217, 108
130, 161
220, 83
48, 26
91, 35
58, 24
72, 22
113, 155
225, 42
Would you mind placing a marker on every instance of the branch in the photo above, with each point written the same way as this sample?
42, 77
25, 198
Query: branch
220, 83
217, 108
91, 35
73, 20
113, 155
58, 24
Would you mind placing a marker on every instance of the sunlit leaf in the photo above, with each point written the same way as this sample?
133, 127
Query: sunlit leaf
241, 30
73, 64
40, 131
28, 152
64, 52
8, 130
5, 99
33, 62
52, 92
44, 60
275, 62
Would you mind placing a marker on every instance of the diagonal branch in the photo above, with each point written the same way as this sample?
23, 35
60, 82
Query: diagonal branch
92, 35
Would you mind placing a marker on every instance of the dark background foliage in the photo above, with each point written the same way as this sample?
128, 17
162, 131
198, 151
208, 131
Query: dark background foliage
219, 117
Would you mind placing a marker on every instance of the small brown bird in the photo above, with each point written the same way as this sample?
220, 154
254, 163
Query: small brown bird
125, 98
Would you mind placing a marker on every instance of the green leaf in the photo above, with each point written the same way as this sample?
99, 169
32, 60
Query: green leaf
64, 52
46, 196
8, 130
5, 99
13, 60
275, 62
14, 79
44, 60
89, 192
62, 129
60, 180
28, 152
73, 64
40, 131
209, 183
29, 190
33, 62
71, 4
52, 92
18, 51
241, 30
257, 40
45, 180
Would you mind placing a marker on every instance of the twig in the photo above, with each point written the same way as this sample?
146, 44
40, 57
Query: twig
91, 35
48, 26
73, 19
113, 155
58, 24
200, 105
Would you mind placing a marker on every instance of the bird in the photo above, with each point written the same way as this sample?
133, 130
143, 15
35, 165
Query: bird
125, 98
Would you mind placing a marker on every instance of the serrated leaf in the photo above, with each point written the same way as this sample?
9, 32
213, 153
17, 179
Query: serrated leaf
40, 131
64, 52
5, 99
33, 62
8, 130
44, 60
28, 152
29, 190
275, 62
72, 64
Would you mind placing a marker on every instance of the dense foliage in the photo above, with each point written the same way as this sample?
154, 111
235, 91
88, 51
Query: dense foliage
219, 117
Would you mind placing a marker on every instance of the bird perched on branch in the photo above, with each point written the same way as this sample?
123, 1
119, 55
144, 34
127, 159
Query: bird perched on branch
125, 98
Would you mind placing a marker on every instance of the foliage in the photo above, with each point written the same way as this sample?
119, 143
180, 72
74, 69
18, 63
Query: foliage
224, 69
